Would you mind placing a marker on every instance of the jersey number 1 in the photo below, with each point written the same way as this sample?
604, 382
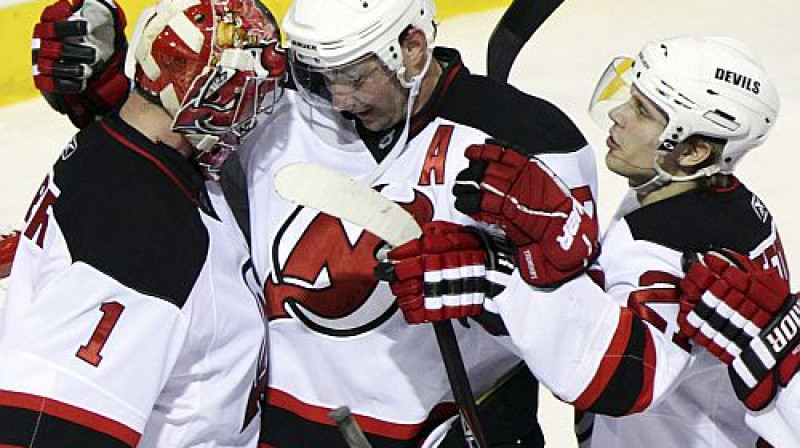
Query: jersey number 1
91, 351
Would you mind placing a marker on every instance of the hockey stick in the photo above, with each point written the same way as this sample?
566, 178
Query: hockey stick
349, 428
514, 29
340, 196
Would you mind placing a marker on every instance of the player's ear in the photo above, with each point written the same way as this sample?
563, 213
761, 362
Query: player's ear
695, 152
415, 49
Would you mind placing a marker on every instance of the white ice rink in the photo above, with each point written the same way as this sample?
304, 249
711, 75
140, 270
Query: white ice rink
561, 63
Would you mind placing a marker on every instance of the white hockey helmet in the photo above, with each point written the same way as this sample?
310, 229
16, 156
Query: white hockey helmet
707, 86
333, 33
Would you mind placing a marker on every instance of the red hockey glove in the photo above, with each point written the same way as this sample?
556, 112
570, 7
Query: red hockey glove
745, 316
555, 238
8, 246
78, 54
447, 273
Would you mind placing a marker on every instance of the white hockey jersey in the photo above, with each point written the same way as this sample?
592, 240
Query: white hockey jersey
630, 363
336, 335
130, 320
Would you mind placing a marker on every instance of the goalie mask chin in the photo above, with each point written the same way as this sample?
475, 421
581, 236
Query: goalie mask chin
214, 65
222, 105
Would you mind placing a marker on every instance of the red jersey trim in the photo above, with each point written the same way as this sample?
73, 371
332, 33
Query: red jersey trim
610, 362
319, 414
133, 147
70, 413
429, 113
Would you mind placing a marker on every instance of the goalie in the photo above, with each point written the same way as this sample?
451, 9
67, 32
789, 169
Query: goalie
130, 320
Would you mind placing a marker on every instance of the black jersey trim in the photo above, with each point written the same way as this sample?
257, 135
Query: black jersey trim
167, 172
531, 124
698, 220
122, 216
49, 423
290, 422
623, 383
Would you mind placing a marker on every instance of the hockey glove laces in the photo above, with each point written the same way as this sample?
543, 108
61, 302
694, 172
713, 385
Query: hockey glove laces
447, 273
555, 238
78, 53
746, 317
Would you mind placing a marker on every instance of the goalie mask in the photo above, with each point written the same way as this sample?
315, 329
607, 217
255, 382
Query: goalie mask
213, 65
707, 86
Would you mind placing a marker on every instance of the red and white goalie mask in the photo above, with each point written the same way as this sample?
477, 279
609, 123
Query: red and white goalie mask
214, 65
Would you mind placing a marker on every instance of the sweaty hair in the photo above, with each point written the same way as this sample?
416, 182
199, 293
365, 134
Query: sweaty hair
718, 180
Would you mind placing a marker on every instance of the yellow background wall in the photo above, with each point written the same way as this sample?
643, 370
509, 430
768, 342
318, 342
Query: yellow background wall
17, 20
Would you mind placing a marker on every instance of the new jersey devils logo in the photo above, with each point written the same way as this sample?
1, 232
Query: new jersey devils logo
325, 279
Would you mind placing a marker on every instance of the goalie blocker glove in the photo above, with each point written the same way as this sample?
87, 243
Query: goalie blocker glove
78, 54
447, 273
746, 317
555, 238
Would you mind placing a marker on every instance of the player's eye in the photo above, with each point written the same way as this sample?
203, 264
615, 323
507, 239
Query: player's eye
641, 109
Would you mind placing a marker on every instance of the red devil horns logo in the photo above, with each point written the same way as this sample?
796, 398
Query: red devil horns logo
327, 280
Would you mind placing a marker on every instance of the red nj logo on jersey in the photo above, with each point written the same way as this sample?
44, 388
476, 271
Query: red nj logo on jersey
327, 279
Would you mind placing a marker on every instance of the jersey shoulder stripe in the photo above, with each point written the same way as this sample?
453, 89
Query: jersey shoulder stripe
120, 214
695, 221
533, 124
624, 380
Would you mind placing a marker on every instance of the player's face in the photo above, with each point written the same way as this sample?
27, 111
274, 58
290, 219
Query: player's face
634, 138
370, 91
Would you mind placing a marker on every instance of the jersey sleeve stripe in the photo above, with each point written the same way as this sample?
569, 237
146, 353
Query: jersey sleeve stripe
648, 373
608, 365
59, 424
624, 382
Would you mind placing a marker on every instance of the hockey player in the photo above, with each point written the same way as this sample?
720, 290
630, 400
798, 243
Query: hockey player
376, 101
690, 109
132, 318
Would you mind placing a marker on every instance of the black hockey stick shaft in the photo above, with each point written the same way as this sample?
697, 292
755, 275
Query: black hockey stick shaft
459, 382
515, 28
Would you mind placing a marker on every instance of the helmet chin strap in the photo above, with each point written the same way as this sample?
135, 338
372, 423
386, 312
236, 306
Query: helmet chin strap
663, 178
414, 85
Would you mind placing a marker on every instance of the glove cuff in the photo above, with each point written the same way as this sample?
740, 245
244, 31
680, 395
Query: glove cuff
499, 259
759, 359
